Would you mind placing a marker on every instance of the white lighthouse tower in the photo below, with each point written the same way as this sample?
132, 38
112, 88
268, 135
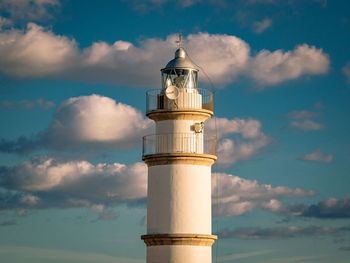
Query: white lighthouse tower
179, 157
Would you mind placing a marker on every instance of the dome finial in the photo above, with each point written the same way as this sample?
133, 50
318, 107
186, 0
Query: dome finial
179, 42
180, 52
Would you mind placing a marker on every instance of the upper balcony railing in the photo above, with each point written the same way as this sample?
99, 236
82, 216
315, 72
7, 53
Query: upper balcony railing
198, 143
186, 99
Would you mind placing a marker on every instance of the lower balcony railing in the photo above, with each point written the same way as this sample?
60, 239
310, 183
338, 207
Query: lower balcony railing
180, 143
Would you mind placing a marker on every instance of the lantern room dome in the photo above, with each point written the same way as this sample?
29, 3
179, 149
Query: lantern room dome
180, 61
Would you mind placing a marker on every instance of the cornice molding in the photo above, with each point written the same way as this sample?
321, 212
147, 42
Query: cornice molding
179, 239
179, 158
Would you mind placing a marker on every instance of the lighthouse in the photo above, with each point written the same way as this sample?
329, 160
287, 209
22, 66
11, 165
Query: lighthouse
179, 157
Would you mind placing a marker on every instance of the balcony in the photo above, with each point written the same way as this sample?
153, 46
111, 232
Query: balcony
184, 143
187, 99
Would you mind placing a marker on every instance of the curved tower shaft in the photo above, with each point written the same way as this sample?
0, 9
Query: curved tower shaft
179, 157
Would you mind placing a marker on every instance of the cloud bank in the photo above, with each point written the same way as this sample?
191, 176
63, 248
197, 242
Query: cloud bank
46, 182
38, 53
86, 122
235, 196
98, 122
331, 208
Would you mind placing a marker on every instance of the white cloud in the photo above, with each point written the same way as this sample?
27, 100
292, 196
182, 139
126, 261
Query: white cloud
249, 139
46, 182
261, 26
306, 125
35, 52
230, 153
39, 53
75, 183
33, 10
28, 104
279, 208
248, 128
238, 195
318, 156
97, 120
274, 67
87, 122
302, 114
223, 57
346, 71
302, 119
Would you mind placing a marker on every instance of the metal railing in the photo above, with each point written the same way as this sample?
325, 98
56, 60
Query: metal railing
180, 143
186, 99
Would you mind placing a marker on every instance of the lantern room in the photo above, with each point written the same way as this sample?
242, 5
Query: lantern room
180, 73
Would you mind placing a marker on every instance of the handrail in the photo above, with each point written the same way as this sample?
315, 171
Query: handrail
187, 99
180, 143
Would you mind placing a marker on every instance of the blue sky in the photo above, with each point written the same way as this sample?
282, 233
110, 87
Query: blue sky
73, 76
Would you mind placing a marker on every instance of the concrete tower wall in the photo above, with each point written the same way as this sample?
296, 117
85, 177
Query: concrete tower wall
179, 199
175, 126
178, 253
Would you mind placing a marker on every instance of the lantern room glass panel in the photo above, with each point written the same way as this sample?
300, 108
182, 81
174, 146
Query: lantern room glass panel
181, 78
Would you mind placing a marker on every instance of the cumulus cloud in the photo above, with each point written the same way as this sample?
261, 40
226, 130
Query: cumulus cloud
248, 128
279, 208
261, 26
274, 67
318, 156
234, 196
230, 153
35, 52
281, 232
28, 104
39, 53
86, 121
249, 138
98, 120
33, 10
46, 182
331, 208
346, 71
